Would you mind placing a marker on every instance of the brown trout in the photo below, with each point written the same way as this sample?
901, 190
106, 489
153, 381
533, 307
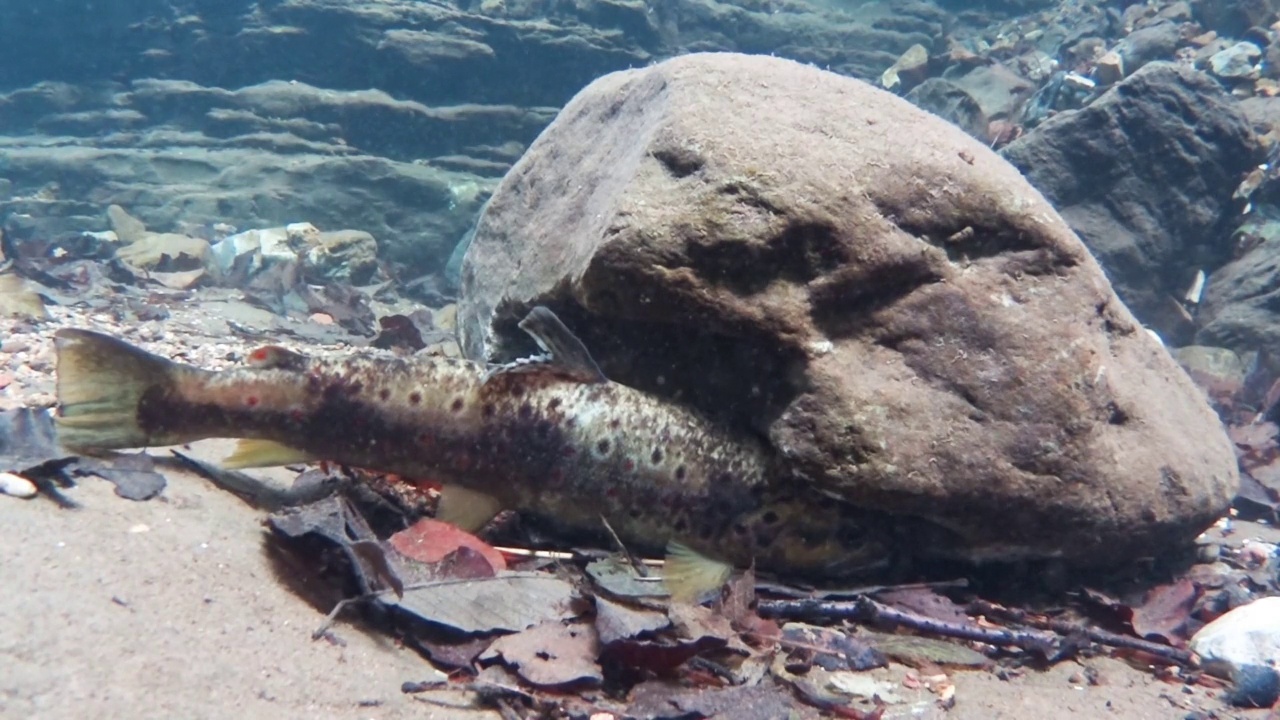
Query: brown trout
548, 436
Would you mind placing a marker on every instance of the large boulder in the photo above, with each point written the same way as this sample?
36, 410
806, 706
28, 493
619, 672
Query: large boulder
1145, 174
905, 318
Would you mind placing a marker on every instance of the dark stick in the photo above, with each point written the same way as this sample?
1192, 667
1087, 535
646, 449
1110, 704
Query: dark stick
1102, 637
866, 610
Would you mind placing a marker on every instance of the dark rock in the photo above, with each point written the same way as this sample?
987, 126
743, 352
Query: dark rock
1232, 18
998, 90
1158, 41
1242, 298
1145, 175
905, 318
950, 102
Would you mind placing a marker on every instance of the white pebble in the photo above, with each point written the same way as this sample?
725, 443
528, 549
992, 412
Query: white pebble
17, 486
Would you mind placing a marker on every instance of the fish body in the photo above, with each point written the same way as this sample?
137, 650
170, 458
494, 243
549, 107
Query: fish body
550, 437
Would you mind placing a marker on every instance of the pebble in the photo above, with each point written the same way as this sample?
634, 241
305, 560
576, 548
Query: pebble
17, 486
1244, 645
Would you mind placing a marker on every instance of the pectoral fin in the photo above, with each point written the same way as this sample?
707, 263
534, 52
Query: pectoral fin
467, 509
264, 453
689, 575
566, 355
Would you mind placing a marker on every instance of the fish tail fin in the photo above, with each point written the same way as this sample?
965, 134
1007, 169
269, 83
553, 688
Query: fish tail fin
689, 575
101, 381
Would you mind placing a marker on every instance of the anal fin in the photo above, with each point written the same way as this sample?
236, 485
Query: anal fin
465, 508
689, 575
264, 453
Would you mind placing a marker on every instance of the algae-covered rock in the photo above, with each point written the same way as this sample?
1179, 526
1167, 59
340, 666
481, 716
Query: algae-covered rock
908, 321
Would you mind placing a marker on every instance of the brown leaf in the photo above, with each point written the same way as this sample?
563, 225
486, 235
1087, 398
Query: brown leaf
552, 654
1164, 614
924, 601
430, 540
398, 331
615, 621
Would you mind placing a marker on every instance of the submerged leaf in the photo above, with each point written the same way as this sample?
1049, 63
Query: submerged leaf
430, 540
918, 651
615, 621
508, 602
1165, 613
552, 654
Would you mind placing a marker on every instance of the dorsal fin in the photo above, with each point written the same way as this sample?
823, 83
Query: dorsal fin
565, 353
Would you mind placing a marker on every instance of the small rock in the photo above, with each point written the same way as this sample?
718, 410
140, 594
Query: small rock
348, 255
909, 70
17, 486
127, 227
1241, 644
1237, 62
165, 251
18, 300
321, 319
1256, 686
1109, 69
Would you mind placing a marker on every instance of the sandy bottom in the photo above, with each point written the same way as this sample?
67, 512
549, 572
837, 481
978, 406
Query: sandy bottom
171, 608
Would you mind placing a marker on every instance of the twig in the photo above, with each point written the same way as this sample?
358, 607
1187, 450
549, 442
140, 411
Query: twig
855, 592
641, 570
866, 610
1097, 635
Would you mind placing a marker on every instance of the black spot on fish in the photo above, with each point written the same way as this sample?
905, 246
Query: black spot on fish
603, 446
384, 393
553, 404
543, 429
681, 525
487, 410
656, 457
706, 531
525, 412
517, 391
635, 512
355, 387
456, 405
769, 518
614, 424
415, 398
680, 473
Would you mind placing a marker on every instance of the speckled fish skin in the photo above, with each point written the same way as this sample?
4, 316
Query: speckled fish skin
569, 451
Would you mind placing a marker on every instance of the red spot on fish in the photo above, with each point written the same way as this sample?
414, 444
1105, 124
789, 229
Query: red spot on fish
415, 398
628, 465
556, 476
260, 355
567, 451
611, 492
252, 401
296, 415
426, 439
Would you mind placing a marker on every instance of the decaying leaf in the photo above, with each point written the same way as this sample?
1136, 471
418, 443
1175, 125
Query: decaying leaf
616, 577
551, 655
615, 621
430, 540
28, 440
508, 602
829, 648
661, 700
334, 519
926, 602
1164, 614
133, 474
917, 651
